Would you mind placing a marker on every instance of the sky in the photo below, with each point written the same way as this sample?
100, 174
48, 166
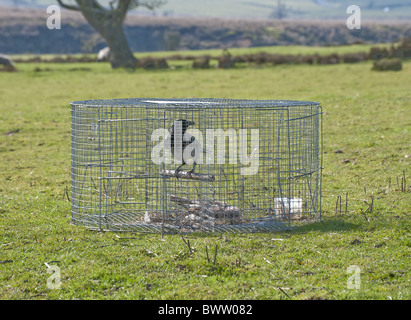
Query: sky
261, 9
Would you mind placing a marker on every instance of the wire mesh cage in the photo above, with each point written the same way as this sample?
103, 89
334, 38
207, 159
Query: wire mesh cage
170, 166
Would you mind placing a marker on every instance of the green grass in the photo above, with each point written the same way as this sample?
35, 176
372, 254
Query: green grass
366, 116
293, 50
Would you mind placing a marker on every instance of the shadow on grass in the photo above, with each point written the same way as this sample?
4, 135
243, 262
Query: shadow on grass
327, 226
330, 225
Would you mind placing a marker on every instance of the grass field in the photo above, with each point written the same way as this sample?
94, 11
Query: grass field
283, 50
367, 155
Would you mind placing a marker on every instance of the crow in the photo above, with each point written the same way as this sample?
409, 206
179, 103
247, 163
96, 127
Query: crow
186, 139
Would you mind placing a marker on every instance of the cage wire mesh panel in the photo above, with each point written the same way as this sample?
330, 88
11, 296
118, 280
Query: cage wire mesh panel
257, 164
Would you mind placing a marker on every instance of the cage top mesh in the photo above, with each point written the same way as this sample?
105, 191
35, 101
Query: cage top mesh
169, 166
191, 103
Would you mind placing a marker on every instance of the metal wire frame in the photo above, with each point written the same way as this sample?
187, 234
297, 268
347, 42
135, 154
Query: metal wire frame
115, 185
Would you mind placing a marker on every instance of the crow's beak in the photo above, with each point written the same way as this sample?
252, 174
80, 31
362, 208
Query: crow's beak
190, 123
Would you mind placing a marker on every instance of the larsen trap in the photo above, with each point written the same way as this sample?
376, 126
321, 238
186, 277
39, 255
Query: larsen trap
170, 166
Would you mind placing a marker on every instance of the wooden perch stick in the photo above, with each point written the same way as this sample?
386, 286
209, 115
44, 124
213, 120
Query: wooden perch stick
188, 175
182, 200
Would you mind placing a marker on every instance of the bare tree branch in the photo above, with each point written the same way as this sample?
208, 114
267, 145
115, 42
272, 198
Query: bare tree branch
67, 6
91, 5
123, 7
107, 18
150, 4
115, 5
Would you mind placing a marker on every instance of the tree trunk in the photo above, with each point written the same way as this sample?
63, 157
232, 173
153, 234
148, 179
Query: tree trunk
109, 24
120, 53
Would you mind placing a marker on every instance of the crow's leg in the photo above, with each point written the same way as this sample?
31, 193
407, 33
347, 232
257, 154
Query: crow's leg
178, 170
192, 170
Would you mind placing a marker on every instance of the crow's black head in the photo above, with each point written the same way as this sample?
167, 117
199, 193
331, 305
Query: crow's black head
184, 124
